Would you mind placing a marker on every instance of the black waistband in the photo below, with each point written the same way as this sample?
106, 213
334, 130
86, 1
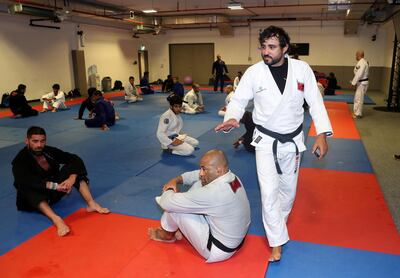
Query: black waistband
283, 138
212, 240
361, 80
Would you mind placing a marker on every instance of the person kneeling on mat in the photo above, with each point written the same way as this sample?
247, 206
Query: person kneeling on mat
214, 214
169, 128
104, 113
44, 174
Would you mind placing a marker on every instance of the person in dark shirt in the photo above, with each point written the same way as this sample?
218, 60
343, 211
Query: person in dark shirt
177, 88
332, 84
246, 138
19, 105
104, 113
167, 84
219, 69
145, 84
44, 174
86, 104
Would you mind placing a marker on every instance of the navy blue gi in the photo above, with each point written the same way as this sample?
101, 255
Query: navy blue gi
178, 89
220, 69
104, 114
145, 86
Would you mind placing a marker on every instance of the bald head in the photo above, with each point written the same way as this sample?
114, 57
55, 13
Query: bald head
359, 54
213, 164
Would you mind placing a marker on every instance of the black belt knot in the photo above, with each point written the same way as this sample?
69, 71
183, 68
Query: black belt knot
283, 138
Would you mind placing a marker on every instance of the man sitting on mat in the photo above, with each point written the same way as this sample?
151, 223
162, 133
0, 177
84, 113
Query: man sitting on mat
193, 101
169, 128
214, 214
54, 99
104, 113
44, 174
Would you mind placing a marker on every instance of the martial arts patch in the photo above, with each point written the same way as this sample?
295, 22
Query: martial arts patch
235, 185
258, 139
300, 86
166, 121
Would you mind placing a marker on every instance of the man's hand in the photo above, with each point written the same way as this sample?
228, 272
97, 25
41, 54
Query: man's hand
173, 184
176, 142
227, 126
66, 185
321, 144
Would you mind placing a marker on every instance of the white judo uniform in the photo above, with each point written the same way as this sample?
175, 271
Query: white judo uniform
191, 102
220, 208
131, 94
169, 128
361, 72
58, 102
221, 112
281, 113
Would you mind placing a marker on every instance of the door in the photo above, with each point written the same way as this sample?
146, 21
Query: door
194, 60
143, 62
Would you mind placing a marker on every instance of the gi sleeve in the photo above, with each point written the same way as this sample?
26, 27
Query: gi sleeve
47, 96
162, 131
243, 94
60, 96
316, 103
77, 166
25, 176
189, 178
100, 112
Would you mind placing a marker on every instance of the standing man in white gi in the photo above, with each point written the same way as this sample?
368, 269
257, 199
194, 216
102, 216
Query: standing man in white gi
360, 82
193, 101
169, 128
55, 99
214, 214
131, 94
278, 86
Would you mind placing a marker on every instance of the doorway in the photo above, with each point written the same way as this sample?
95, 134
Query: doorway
143, 62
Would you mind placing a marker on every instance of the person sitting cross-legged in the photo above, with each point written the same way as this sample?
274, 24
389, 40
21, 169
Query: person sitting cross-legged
54, 99
213, 215
44, 174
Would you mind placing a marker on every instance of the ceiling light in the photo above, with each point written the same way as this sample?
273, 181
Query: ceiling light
149, 11
235, 5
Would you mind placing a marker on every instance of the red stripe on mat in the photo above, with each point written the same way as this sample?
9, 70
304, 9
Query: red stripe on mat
342, 122
117, 246
343, 209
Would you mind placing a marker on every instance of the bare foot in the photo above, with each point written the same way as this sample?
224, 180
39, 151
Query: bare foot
178, 235
62, 228
275, 254
159, 234
95, 207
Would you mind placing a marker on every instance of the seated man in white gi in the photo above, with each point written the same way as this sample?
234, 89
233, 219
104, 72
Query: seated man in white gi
55, 99
193, 101
229, 91
169, 128
214, 214
131, 94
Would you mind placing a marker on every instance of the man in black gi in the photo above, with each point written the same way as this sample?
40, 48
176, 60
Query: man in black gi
19, 105
44, 174
220, 69
104, 113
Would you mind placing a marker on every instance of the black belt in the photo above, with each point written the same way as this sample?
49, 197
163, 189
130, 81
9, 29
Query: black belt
173, 136
361, 80
212, 240
283, 138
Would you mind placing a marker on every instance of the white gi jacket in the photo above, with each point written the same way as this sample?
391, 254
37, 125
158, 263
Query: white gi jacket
60, 97
192, 100
361, 71
227, 212
169, 124
228, 98
281, 113
130, 91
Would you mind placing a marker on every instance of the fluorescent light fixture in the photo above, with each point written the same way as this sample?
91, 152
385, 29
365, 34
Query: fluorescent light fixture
149, 11
235, 6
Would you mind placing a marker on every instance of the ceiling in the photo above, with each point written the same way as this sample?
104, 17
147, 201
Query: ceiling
187, 14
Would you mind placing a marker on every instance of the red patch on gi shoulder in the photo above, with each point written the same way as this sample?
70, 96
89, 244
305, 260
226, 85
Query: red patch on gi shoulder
235, 185
300, 86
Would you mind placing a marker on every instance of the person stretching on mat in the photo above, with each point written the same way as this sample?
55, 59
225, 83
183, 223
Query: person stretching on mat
44, 174
104, 113
214, 214
169, 128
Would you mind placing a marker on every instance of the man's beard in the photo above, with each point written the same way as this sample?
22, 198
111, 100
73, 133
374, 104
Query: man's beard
36, 153
272, 62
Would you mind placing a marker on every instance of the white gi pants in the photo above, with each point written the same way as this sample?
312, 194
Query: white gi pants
188, 110
221, 113
55, 104
131, 99
277, 193
359, 99
196, 230
186, 148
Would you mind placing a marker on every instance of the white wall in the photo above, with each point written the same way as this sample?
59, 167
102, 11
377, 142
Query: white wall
39, 57
328, 45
